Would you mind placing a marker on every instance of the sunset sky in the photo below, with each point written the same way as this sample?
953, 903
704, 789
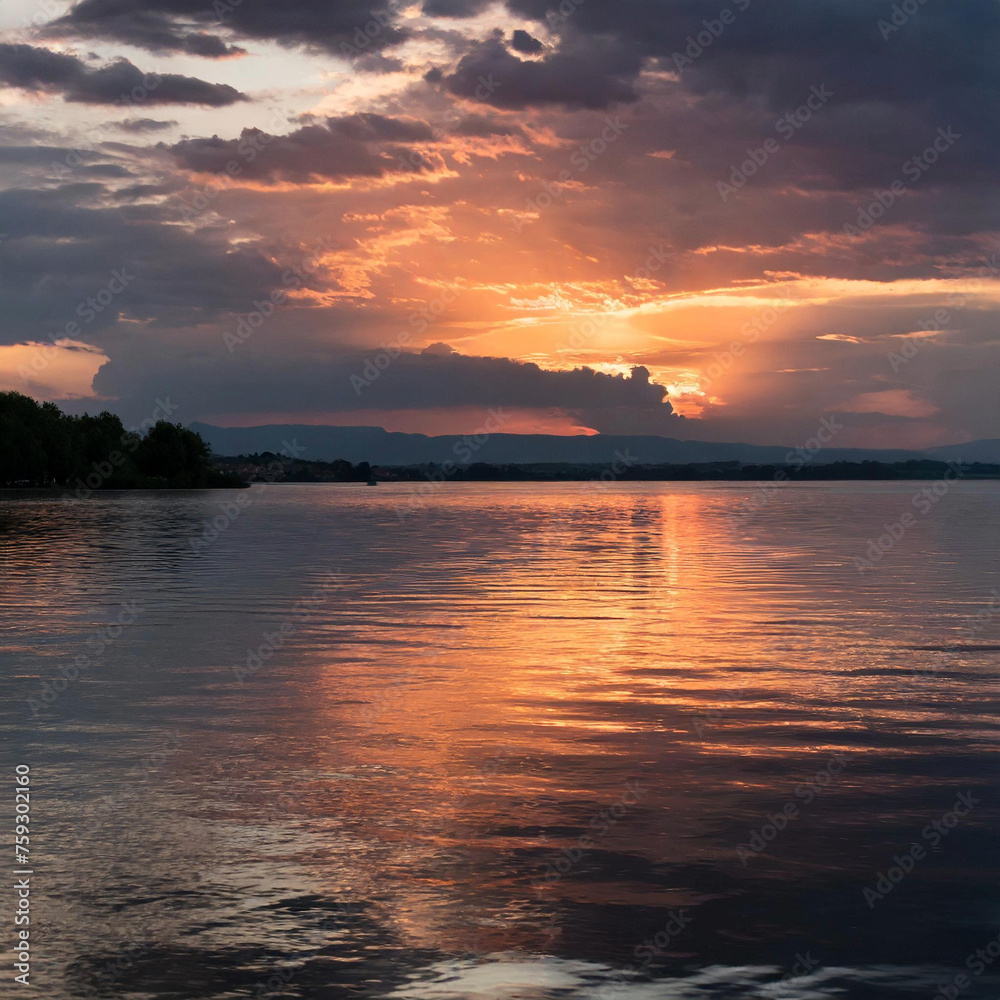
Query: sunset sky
774, 210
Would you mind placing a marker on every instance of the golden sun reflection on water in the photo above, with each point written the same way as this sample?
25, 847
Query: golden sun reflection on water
527, 719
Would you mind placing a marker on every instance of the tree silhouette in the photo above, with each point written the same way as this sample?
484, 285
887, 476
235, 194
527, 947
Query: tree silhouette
42, 446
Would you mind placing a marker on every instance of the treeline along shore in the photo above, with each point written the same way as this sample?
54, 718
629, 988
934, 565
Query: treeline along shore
40, 446
278, 469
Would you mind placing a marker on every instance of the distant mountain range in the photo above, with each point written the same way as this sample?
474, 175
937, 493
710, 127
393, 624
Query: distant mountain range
380, 447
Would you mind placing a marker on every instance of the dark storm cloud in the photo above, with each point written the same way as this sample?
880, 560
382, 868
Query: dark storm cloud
375, 62
189, 25
454, 8
894, 77
31, 68
431, 379
437, 378
582, 75
523, 42
845, 31
60, 250
350, 146
482, 127
148, 28
378, 128
938, 59
140, 125
42, 156
772, 48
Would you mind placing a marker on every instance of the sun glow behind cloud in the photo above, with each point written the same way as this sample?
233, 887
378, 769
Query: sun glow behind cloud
65, 368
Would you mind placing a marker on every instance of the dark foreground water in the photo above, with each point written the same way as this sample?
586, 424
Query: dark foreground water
515, 741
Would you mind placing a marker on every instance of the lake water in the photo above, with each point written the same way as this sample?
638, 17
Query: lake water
507, 741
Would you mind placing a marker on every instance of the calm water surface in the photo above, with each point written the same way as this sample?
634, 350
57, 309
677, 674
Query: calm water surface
526, 741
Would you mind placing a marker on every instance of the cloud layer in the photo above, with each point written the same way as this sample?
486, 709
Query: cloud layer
768, 211
118, 82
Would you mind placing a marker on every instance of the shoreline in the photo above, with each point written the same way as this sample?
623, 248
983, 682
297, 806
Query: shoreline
52, 492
